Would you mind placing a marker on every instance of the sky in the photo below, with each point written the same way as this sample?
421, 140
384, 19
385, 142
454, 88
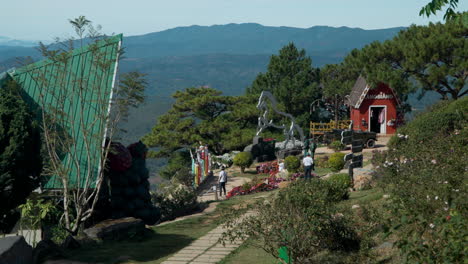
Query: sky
47, 19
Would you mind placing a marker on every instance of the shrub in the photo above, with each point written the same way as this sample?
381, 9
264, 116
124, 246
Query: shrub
292, 163
243, 160
321, 162
337, 145
336, 161
339, 184
424, 170
301, 218
175, 200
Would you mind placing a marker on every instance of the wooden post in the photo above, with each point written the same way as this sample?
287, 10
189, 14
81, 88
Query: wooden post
215, 192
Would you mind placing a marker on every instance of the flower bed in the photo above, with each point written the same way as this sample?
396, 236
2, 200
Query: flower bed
268, 168
269, 184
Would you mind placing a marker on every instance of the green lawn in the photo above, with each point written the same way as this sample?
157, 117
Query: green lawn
247, 254
161, 242
157, 246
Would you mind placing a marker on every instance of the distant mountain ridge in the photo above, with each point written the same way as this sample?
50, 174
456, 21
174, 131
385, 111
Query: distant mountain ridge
250, 38
225, 57
6, 41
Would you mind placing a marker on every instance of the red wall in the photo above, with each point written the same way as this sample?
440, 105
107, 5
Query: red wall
363, 112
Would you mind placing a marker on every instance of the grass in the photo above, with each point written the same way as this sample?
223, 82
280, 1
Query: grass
250, 254
157, 246
161, 242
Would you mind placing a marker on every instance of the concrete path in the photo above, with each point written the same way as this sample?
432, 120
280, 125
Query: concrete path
206, 249
207, 193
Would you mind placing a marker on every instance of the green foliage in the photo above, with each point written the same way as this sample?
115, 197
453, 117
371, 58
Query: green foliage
337, 82
336, 161
436, 5
292, 163
178, 165
243, 160
337, 145
34, 212
20, 153
292, 80
321, 162
202, 114
340, 183
131, 92
424, 170
175, 200
433, 55
302, 217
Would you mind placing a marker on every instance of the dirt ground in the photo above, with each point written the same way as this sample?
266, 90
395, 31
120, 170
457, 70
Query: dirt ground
381, 144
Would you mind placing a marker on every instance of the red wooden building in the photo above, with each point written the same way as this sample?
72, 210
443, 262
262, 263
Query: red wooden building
374, 108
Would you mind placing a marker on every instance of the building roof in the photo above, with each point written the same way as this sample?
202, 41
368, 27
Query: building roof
80, 88
360, 90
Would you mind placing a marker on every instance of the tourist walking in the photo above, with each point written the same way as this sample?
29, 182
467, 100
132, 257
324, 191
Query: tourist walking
308, 162
222, 179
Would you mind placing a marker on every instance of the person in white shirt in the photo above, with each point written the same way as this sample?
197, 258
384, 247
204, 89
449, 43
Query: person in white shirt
222, 179
308, 162
281, 166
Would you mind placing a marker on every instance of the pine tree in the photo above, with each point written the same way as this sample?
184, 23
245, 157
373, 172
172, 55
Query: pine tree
20, 158
291, 78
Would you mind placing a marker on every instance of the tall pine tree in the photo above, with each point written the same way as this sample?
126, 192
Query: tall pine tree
292, 80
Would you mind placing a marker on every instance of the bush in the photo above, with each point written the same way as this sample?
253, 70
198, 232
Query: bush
302, 218
336, 161
292, 163
424, 170
337, 145
175, 200
243, 160
321, 162
339, 184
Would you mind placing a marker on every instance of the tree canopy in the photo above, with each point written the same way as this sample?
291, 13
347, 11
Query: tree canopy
433, 6
204, 115
432, 57
20, 153
336, 82
291, 78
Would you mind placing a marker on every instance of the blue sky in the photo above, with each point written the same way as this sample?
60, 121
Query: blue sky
46, 19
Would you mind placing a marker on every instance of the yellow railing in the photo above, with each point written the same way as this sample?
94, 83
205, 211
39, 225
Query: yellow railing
321, 128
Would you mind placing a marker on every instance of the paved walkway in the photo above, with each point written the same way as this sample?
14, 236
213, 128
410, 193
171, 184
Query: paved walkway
206, 249
206, 191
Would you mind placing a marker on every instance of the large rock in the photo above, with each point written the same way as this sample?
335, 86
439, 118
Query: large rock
15, 250
363, 179
116, 229
292, 144
46, 249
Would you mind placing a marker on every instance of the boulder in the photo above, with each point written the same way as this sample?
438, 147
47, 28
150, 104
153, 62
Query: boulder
46, 249
15, 250
70, 243
116, 229
362, 179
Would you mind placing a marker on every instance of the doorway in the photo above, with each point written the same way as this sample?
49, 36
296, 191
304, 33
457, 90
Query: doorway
377, 119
